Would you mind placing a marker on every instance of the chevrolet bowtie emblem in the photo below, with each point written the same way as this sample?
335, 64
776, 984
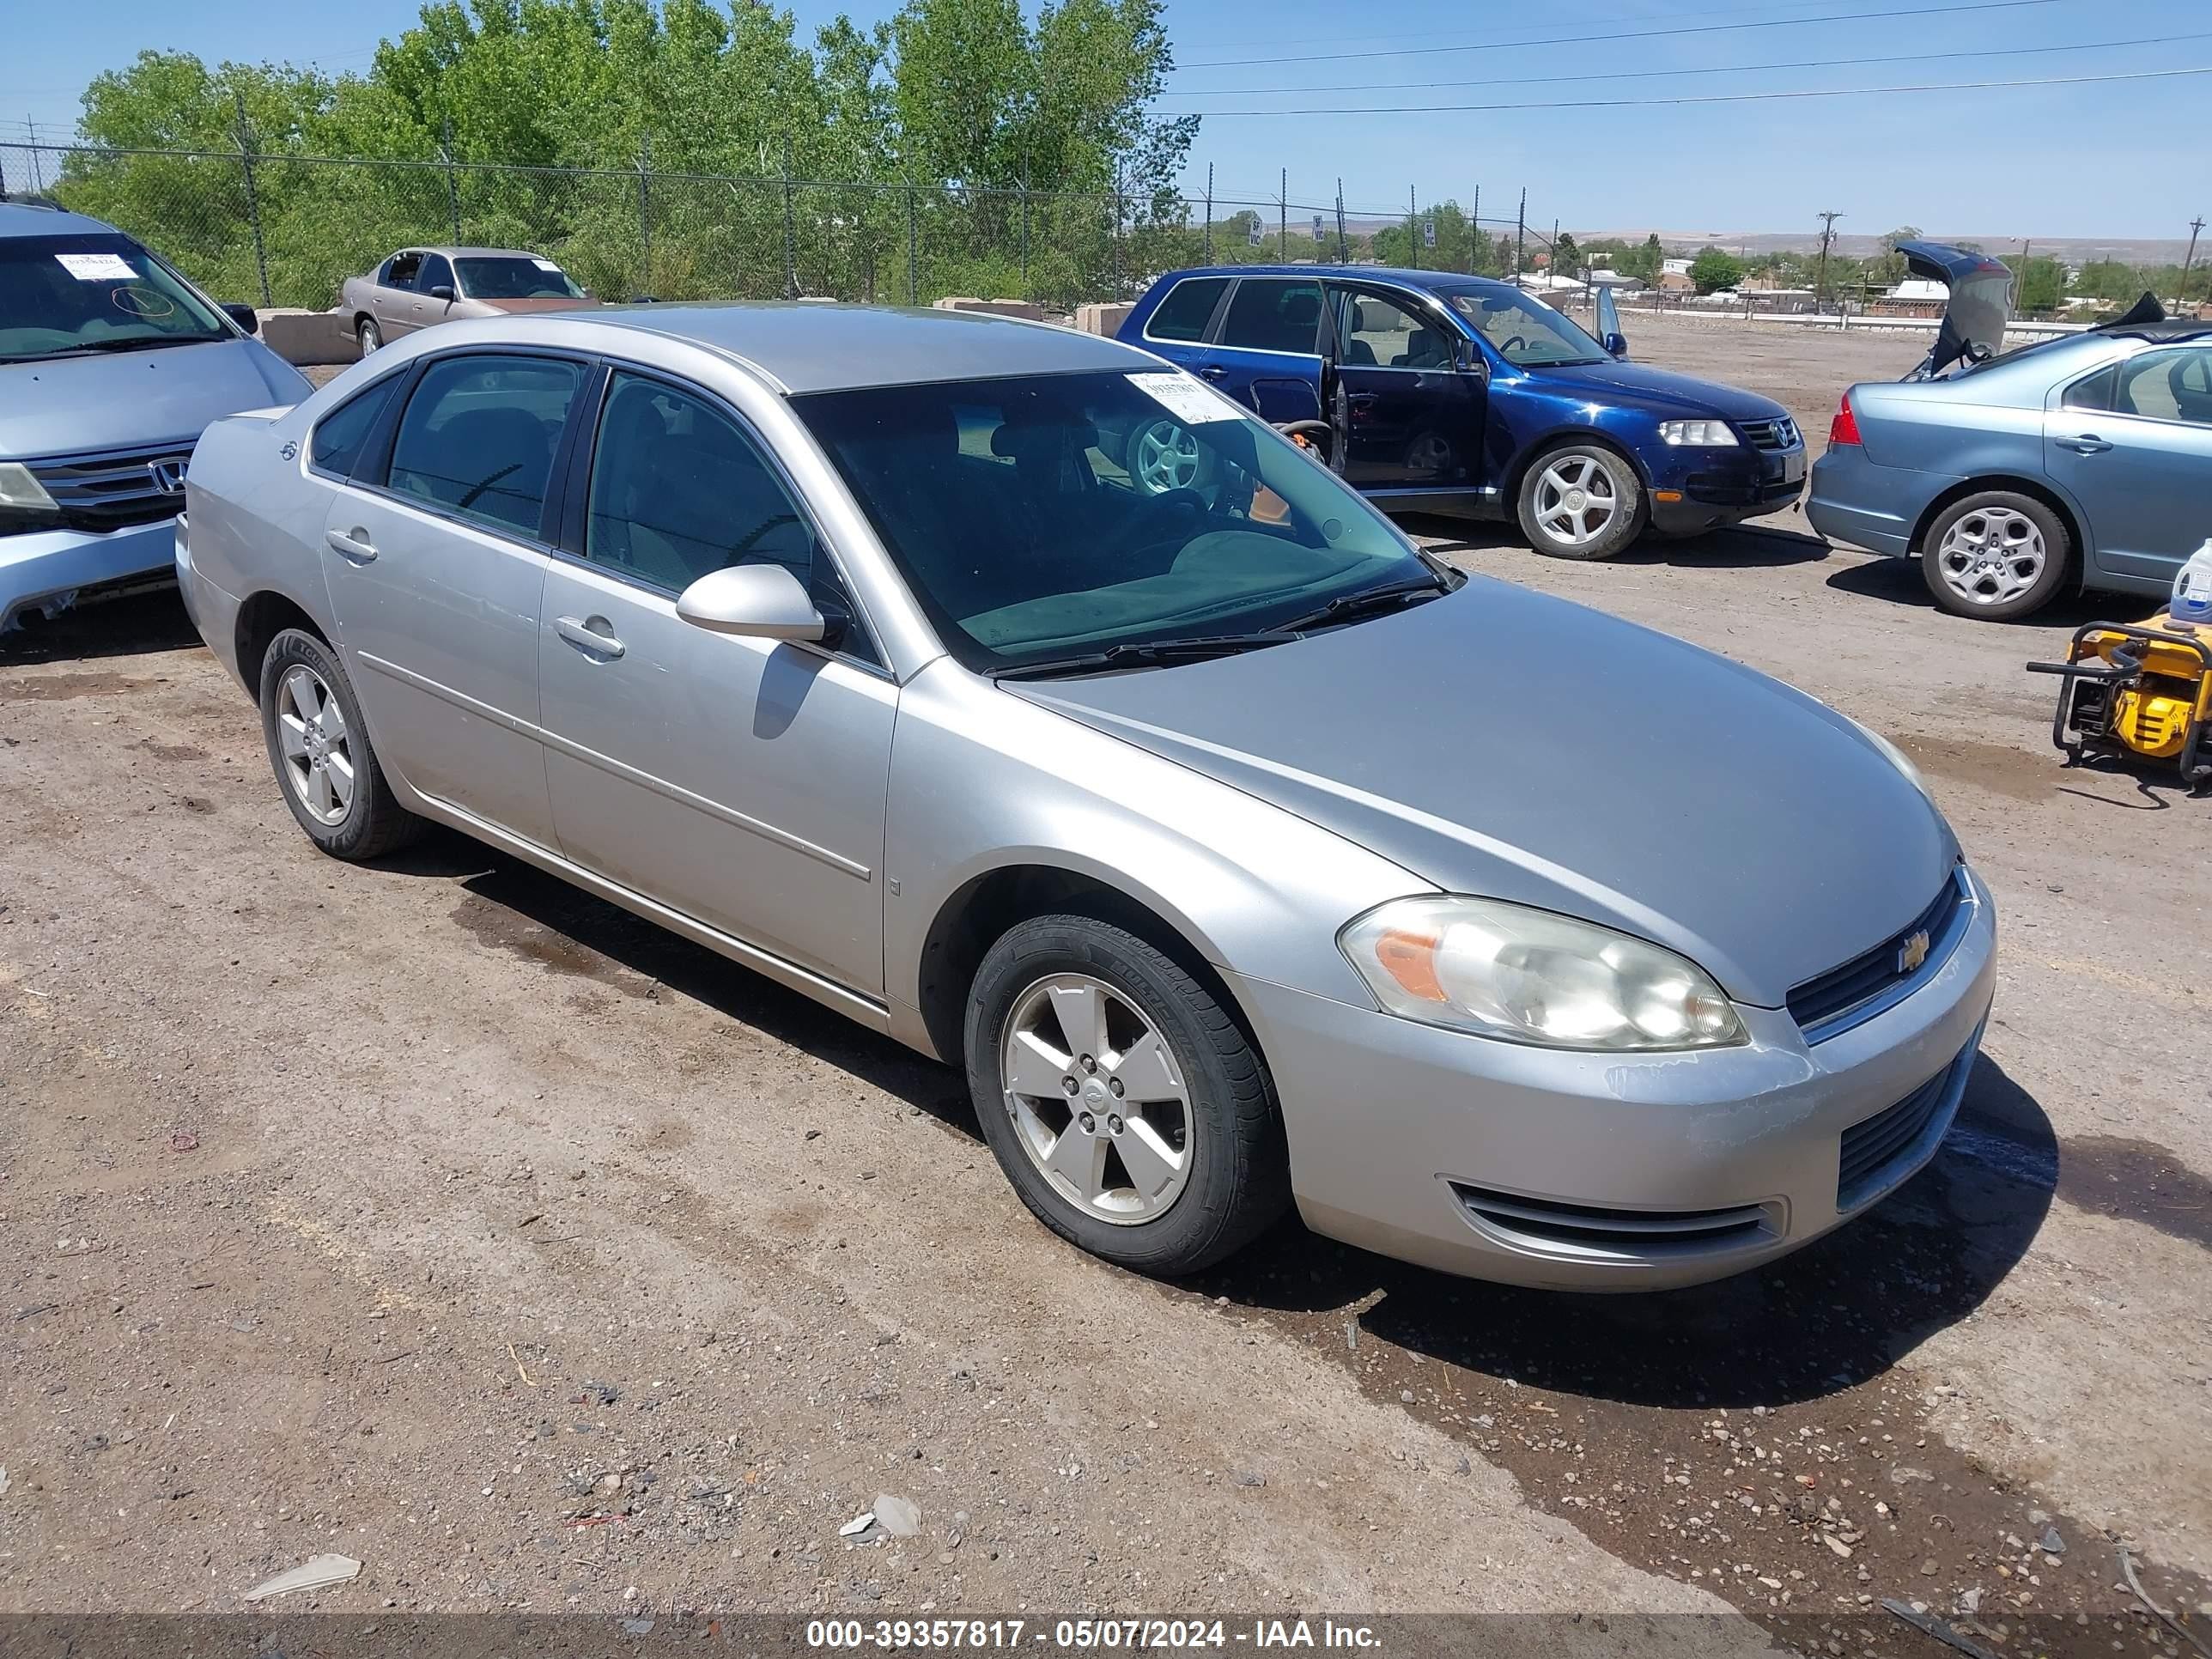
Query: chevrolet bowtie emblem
1912, 952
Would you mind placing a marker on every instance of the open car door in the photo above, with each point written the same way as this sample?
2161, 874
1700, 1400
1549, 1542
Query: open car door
1608, 324
1973, 325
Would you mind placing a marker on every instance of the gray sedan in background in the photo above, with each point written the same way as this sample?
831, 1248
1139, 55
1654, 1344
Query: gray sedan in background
1240, 853
419, 286
2082, 462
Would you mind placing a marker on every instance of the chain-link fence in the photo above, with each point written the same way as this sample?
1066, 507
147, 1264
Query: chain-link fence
287, 230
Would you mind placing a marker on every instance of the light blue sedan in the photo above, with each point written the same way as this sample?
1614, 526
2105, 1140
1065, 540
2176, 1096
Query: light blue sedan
2083, 462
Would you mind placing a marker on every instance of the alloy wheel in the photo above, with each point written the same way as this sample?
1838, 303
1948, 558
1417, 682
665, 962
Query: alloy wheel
1097, 1099
1992, 555
1576, 498
1166, 458
311, 730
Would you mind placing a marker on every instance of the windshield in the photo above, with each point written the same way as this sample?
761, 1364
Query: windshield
515, 277
64, 295
1048, 515
1525, 331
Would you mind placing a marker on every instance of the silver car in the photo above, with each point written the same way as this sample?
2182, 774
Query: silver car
1242, 855
417, 287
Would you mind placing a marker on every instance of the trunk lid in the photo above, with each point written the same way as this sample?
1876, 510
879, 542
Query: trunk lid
1980, 304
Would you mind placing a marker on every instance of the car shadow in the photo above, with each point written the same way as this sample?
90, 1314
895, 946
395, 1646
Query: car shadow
1842, 1310
1741, 547
1898, 581
130, 626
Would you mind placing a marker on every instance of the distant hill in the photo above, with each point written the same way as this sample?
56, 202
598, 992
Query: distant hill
2075, 250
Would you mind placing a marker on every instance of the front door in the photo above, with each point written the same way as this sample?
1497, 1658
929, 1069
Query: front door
741, 781
1266, 355
2133, 445
1413, 416
437, 272
436, 562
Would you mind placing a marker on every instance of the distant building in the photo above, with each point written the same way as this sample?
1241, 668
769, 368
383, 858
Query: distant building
1675, 267
1601, 277
1675, 282
1916, 296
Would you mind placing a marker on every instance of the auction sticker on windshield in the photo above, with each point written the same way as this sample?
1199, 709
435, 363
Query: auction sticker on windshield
98, 267
1185, 398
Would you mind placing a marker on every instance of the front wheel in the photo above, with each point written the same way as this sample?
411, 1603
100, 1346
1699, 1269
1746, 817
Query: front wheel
1121, 1099
1581, 501
1998, 555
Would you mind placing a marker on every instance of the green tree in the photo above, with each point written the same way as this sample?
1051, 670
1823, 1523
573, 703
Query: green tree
2042, 284
1567, 259
1713, 270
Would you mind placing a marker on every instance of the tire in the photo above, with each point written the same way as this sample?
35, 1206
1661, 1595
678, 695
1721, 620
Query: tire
1998, 555
1164, 455
370, 336
1602, 477
1234, 1177
332, 782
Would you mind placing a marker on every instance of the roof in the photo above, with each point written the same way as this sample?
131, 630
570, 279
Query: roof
1346, 273
818, 348
28, 218
473, 252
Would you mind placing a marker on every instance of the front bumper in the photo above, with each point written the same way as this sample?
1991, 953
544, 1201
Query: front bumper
45, 569
1581, 1171
1701, 489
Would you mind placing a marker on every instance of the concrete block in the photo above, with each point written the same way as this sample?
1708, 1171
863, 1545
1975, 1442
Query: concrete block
1022, 308
1105, 317
307, 337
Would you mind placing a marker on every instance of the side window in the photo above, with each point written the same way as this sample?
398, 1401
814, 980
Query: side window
2095, 392
436, 273
399, 273
677, 490
339, 437
1188, 309
1273, 314
1386, 335
2167, 385
479, 435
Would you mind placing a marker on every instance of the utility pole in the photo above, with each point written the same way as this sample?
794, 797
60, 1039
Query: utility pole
1283, 216
2196, 226
1413, 236
1209, 213
452, 189
1827, 236
1474, 236
252, 200
1343, 246
1521, 233
38, 181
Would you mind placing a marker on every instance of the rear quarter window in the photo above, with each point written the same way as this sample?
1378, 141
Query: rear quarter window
340, 436
1187, 308
2095, 390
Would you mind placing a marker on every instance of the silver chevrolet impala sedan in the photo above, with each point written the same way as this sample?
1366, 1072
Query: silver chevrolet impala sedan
1242, 855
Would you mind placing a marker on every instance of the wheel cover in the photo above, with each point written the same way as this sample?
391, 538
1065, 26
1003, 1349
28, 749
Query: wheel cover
1097, 1099
1167, 458
1577, 499
317, 746
1992, 555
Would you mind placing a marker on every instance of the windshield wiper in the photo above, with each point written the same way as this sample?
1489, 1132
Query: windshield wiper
150, 343
1373, 601
1146, 654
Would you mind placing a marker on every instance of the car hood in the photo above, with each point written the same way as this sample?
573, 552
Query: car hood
120, 399
1503, 743
1974, 317
1616, 382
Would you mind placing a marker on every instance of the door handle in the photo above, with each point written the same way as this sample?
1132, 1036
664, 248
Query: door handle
355, 547
587, 636
1214, 372
2087, 444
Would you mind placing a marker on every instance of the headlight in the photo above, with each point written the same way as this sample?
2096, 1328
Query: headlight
24, 503
1697, 435
1528, 975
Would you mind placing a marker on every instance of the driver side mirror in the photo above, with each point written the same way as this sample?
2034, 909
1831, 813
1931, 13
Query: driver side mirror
754, 601
243, 316
1616, 344
442, 291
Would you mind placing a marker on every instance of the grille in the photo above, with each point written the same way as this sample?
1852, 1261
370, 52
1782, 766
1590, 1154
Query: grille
1872, 1150
1542, 1222
1770, 435
1819, 1005
112, 491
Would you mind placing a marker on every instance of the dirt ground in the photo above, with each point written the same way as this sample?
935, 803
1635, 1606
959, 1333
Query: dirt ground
437, 1215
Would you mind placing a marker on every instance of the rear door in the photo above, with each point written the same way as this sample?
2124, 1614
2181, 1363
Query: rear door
1267, 351
1413, 416
2133, 444
394, 302
436, 552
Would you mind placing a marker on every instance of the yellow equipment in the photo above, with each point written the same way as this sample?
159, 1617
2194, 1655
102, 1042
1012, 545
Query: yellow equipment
2136, 687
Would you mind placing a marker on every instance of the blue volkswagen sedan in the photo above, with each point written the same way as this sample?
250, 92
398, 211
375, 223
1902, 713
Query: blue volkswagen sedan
1437, 393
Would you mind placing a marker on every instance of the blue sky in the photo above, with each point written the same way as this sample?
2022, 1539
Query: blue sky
2115, 159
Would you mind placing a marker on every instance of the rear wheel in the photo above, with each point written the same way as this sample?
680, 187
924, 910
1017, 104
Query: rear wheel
1997, 555
319, 748
1581, 501
371, 336
1121, 1099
